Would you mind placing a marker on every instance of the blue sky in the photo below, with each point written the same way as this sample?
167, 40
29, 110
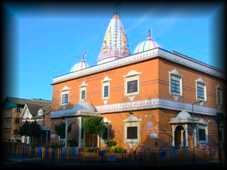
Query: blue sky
47, 43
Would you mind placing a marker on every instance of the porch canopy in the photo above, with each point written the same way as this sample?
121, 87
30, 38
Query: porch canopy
185, 118
79, 109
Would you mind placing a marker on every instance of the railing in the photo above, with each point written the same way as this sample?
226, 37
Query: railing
18, 150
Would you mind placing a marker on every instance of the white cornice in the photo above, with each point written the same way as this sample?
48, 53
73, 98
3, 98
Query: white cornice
156, 103
157, 52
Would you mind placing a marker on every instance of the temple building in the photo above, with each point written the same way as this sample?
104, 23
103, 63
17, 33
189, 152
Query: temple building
150, 98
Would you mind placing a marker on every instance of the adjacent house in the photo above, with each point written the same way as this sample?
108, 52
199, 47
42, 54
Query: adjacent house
19, 110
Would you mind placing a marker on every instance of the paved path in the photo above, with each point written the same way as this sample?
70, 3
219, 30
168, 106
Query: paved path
115, 164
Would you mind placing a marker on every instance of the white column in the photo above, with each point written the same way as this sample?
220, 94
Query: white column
182, 137
173, 136
66, 132
195, 136
80, 132
98, 138
186, 135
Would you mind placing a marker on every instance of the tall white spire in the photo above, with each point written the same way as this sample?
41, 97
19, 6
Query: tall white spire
115, 42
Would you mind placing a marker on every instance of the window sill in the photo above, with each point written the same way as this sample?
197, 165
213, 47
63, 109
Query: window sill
132, 94
132, 141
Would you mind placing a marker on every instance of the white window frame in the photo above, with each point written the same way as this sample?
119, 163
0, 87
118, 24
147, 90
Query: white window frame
63, 93
205, 127
131, 76
217, 102
175, 72
106, 82
83, 86
205, 90
132, 123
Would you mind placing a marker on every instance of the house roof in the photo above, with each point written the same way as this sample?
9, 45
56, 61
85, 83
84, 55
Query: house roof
33, 104
23, 101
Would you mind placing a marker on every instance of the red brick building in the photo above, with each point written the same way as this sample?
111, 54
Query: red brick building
152, 98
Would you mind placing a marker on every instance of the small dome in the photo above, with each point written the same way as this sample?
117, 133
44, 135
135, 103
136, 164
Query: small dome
79, 66
148, 44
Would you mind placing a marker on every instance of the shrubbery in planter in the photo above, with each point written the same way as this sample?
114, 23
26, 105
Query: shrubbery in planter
90, 149
119, 149
111, 143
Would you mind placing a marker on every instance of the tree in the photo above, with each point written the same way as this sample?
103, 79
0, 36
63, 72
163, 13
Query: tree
31, 129
60, 130
94, 125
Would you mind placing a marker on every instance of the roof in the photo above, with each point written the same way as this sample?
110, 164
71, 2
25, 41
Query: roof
77, 109
33, 104
23, 101
146, 55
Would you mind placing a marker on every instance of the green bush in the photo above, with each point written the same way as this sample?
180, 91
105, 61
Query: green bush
118, 149
111, 143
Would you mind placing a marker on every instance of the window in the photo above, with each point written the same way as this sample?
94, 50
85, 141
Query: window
106, 88
132, 86
83, 94
200, 91
219, 96
202, 134
132, 83
18, 109
65, 98
175, 84
132, 132
17, 120
106, 91
65, 95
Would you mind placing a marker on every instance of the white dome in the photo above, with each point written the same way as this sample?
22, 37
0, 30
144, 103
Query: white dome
79, 66
148, 44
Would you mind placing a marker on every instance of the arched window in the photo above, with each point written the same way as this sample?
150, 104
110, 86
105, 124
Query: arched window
65, 96
175, 83
106, 88
83, 91
201, 94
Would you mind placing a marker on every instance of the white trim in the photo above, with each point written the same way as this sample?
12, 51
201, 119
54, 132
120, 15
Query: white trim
65, 88
175, 72
132, 123
106, 78
156, 103
135, 58
132, 73
205, 89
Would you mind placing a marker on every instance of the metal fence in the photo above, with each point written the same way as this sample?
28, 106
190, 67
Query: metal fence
18, 150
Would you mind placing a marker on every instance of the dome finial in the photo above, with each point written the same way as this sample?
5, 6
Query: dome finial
149, 35
116, 9
83, 56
